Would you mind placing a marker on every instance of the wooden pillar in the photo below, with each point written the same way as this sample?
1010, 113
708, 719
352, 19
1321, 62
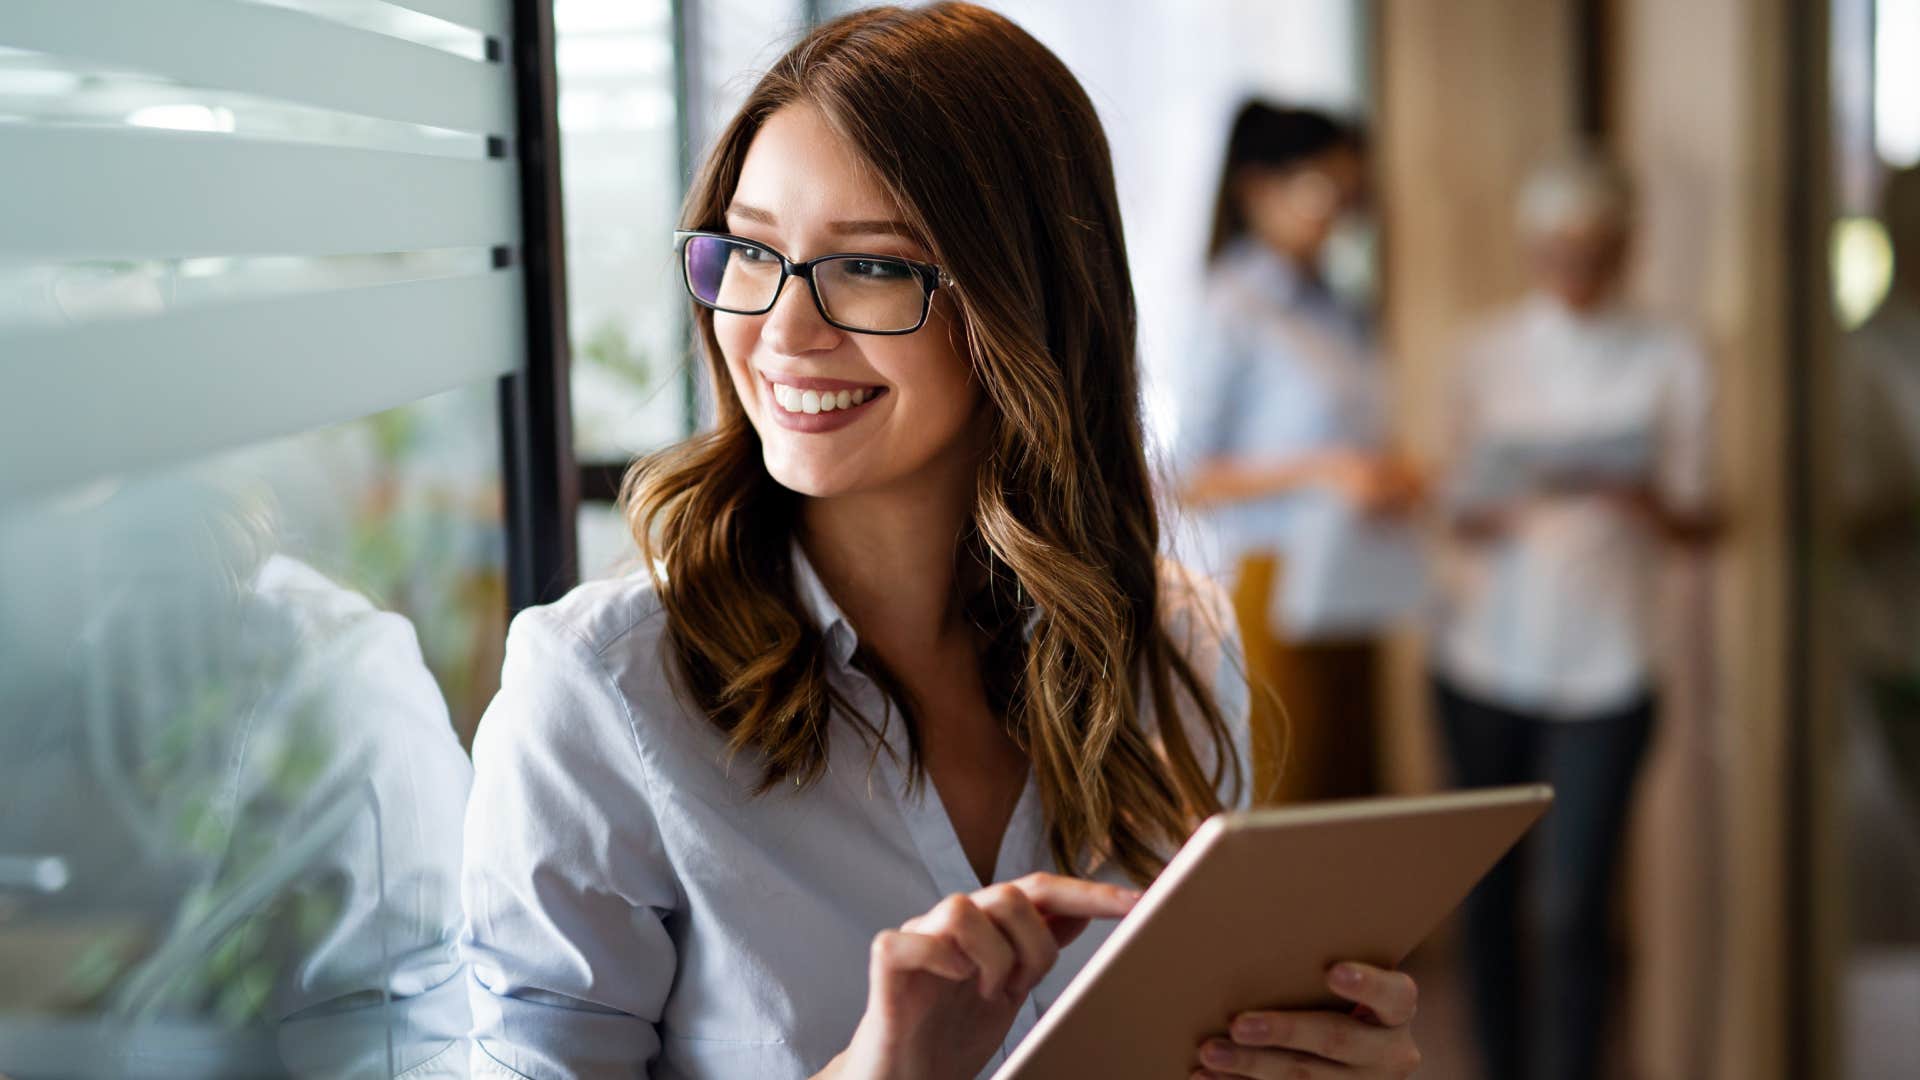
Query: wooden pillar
1701, 116
1471, 93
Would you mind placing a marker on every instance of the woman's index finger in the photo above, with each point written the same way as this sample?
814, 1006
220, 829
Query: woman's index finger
1058, 895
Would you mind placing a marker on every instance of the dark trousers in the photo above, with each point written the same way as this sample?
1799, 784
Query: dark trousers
1540, 1011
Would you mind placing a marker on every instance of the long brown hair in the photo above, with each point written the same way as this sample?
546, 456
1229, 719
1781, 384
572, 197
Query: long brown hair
998, 161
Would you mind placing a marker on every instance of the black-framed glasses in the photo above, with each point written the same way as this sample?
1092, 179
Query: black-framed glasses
864, 294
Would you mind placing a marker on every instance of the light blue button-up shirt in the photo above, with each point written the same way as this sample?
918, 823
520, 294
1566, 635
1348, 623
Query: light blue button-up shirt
1276, 367
633, 910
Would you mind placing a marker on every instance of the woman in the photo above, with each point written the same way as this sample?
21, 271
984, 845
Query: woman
1581, 436
903, 635
1282, 422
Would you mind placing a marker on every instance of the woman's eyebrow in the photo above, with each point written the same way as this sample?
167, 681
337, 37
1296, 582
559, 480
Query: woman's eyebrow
752, 213
872, 226
857, 227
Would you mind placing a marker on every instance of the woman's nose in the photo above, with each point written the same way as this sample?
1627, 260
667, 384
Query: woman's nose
794, 326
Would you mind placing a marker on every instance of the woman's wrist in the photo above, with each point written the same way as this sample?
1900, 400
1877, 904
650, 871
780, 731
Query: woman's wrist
864, 1060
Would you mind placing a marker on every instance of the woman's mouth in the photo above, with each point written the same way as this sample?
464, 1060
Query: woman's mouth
793, 399
812, 406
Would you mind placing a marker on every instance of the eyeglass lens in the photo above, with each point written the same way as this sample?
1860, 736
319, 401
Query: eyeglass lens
858, 292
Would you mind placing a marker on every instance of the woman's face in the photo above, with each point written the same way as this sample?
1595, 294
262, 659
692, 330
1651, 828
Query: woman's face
1581, 262
1293, 210
805, 192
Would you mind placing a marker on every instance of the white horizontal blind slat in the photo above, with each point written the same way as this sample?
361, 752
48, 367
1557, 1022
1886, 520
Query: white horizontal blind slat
84, 193
95, 399
275, 52
493, 18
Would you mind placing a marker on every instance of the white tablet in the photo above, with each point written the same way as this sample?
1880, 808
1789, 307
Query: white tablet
1252, 912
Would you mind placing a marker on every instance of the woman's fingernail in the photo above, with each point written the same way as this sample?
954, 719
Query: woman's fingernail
1216, 1053
1347, 976
1249, 1027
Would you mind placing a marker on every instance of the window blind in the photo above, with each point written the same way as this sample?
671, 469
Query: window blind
228, 220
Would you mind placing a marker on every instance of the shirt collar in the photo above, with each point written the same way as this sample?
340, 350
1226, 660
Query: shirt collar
1266, 271
1554, 312
1276, 280
830, 620
826, 615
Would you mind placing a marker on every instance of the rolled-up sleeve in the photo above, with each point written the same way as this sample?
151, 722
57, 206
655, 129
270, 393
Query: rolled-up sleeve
566, 884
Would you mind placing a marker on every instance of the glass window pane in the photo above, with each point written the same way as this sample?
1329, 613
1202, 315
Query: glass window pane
620, 172
735, 41
634, 382
233, 703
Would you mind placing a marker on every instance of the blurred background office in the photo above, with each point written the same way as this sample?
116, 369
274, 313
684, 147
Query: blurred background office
328, 327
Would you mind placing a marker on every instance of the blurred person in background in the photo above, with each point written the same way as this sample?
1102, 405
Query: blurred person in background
1282, 404
1579, 449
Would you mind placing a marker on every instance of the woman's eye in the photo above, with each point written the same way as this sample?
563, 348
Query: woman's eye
878, 269
754, 255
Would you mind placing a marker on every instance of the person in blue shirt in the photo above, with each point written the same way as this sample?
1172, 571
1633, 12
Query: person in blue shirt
1282, 410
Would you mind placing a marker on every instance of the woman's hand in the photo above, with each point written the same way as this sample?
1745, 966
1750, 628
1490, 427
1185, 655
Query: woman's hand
1379, 484
1372, 1041
942, 990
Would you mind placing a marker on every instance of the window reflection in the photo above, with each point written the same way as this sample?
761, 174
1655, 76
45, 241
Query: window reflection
231, 783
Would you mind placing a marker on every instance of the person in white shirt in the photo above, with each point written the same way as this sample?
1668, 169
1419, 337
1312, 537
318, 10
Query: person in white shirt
901, 705
1580, 447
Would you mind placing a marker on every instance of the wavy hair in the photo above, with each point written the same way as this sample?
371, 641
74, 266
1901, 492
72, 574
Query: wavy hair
997, 159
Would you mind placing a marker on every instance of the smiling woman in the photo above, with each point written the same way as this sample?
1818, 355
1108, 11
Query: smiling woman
800, 165
904, 631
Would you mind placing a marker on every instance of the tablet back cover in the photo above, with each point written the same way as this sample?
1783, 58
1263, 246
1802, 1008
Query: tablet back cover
1252, 912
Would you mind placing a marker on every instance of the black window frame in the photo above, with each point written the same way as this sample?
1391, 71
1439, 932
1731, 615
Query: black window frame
541, 486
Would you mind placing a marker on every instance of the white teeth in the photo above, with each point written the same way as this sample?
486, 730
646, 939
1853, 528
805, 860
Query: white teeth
793, 399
